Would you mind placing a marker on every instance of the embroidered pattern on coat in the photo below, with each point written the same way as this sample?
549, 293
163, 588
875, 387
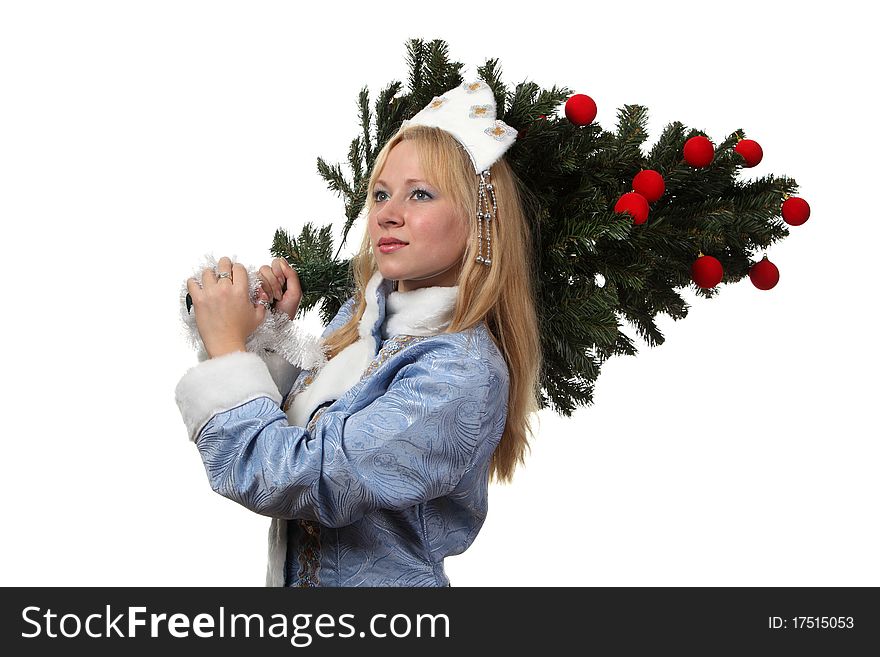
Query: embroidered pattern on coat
310, 554
318, 413
389, 348
303, 382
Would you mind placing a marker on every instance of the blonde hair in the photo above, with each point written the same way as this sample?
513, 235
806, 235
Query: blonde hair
502, 295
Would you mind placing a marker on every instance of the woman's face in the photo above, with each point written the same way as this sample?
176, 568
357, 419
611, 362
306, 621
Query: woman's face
413, 210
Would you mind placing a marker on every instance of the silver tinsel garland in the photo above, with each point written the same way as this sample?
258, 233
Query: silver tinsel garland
277, 333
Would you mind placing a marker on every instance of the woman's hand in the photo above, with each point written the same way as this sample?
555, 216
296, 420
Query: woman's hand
225, 314
274, 279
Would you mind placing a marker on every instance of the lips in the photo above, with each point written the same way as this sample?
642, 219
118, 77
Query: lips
389, 247
390, 244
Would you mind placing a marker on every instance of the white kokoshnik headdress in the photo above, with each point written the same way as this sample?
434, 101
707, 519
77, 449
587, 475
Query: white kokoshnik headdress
467, 112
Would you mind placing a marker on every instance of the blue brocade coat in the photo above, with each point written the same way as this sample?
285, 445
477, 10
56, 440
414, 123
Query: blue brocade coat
384, 481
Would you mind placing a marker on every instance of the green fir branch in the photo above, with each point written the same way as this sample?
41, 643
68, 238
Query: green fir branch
570, 178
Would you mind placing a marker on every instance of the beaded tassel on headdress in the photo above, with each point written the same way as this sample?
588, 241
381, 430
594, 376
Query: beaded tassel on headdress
483, 214
467, 112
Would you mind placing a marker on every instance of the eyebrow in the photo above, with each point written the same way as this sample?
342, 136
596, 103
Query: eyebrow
407, 181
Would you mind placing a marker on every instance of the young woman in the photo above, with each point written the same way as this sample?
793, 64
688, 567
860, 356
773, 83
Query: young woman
375, 465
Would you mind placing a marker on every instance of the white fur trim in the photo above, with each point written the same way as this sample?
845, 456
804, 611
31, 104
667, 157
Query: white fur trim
339, 374
425, 311
334, 379
219, 384
371, 312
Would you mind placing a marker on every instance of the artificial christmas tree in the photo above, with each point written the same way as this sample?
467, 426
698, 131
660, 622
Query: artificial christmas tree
573, 172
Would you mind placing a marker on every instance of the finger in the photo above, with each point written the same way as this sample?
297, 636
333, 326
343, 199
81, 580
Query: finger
278, 270
292, 279
225, 265
208, 276
263, 300
271, 280
277, 281
263, 281
240, 277
193, 287
282, 286
289, 273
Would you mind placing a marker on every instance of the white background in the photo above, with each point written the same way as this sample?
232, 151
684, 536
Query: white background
138, 136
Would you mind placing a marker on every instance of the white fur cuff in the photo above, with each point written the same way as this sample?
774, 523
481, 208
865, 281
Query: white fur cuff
219, 384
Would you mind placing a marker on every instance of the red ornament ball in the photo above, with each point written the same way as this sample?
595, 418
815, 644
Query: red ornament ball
706, 271
635, 204
751, 152
795, 211
699, 151
580, 109
649, 184
764, 274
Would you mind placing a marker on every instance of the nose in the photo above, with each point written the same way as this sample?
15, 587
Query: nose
389, 213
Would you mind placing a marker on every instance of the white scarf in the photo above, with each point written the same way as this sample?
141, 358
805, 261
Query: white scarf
424, 311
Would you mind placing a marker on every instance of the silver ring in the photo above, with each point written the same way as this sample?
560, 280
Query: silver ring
265, 304
224, 274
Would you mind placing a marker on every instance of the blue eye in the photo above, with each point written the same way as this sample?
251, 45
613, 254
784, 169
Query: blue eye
415, 191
